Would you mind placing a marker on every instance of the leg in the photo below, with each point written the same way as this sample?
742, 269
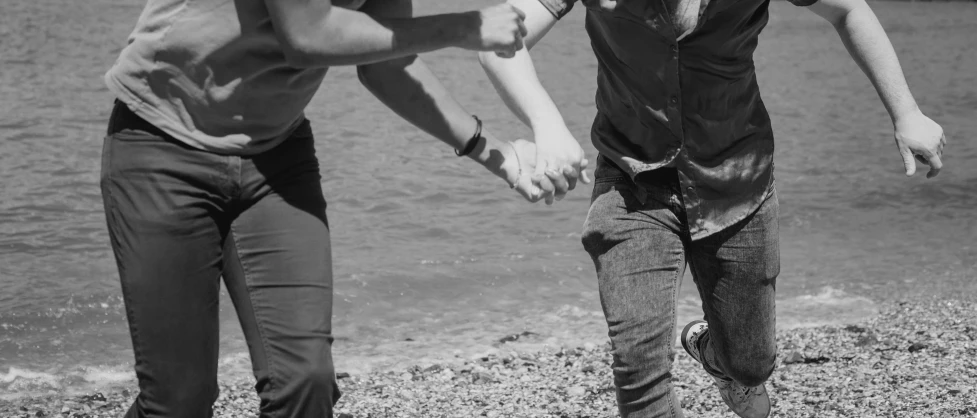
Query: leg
736, 272
167, 244
279, 275
640, 259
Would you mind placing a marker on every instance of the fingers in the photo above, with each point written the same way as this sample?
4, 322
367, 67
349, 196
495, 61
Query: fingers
505, 54
936, 164
520, 13
528, 191
583, 172
571, 174
560, 183
510, 51
546, 187
907, 160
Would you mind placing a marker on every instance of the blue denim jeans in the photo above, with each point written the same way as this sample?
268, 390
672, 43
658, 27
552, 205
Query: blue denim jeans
179, 219
640, 247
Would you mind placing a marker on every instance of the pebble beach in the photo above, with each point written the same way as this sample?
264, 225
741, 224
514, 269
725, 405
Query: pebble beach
917, 358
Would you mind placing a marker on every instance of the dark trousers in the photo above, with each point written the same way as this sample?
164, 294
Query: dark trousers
180, 219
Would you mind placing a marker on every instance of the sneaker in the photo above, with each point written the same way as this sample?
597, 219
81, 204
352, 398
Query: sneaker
747, 402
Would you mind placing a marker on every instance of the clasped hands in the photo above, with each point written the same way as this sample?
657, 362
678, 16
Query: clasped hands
547, 169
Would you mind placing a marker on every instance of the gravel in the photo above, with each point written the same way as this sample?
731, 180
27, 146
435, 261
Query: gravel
915, 359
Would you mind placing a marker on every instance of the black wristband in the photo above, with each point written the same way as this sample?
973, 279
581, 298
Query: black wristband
470, 145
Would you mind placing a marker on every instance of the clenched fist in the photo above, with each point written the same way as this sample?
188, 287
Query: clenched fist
498, 28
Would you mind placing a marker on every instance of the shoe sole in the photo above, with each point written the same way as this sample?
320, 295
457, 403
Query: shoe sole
685, 339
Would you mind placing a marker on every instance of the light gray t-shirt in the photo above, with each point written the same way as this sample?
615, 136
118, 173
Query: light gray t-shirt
212, 74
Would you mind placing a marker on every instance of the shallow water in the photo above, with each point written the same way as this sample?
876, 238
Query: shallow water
428, 247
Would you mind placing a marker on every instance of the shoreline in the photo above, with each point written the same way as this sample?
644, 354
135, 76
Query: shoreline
915, 358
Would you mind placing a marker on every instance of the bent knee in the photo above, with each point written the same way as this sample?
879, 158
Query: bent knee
317, 378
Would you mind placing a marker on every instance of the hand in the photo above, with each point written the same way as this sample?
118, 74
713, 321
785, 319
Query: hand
517, 167
560, 162
918, 136
498, 28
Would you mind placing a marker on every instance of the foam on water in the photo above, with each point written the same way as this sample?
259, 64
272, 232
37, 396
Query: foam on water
563, 326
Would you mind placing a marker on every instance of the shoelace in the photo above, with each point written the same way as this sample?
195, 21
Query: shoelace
741, 393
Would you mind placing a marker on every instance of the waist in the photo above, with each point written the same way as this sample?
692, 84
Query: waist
123, 118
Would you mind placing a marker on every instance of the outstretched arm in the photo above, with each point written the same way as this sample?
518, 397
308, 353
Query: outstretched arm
916, 135
409, 88
560, 161
314, 33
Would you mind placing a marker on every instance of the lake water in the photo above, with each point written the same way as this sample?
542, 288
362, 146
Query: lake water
430, 248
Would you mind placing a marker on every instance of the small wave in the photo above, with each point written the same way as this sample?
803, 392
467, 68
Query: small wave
828, 307
20, 382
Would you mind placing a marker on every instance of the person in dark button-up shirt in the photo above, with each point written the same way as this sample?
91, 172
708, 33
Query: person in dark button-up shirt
685, 175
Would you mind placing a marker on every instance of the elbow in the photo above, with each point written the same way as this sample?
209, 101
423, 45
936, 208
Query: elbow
372, 76
366, 74
301, 51
299, 59
380, 73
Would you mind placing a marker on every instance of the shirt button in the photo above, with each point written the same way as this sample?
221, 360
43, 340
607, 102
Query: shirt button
690, 189
674, 49
673, 100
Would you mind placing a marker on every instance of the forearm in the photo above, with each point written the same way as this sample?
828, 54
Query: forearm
871, 49
519, 87
348, 37
409, 88
515, 78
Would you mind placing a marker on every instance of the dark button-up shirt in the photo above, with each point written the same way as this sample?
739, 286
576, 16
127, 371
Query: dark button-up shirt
691, 103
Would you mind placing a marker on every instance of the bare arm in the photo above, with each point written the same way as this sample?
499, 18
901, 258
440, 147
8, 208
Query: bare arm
559, 156
315, 33
515, 77
866, 41
409, 88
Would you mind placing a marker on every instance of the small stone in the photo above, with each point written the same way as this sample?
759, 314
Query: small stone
794, 357
855, 329
866, 340
484, 377
342, 375
917, 346
588, 368
577, 391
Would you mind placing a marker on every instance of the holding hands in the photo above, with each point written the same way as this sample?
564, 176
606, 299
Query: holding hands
560, 163
543, 172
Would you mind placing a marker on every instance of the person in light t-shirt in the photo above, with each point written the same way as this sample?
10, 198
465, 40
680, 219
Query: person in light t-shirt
209, 171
